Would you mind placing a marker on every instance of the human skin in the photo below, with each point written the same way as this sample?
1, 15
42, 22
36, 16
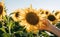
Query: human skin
49, 27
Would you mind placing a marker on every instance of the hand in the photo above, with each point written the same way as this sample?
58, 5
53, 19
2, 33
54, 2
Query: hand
46, 25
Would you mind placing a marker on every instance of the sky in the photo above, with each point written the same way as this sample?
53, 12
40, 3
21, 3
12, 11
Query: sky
12, 5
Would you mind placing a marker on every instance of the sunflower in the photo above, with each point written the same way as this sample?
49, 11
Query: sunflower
44, 13
41, 11
47, 12
52, 18
57, 14
48, 15
16, 15
30, 18
2, 10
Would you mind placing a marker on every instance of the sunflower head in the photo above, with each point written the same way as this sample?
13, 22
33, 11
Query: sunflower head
52, 18
16, 15
1, 9
44, 13
57, 14
47, 12
41, 11
30, 19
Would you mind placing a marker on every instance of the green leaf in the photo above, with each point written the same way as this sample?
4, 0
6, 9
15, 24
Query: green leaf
6, 35
3, 29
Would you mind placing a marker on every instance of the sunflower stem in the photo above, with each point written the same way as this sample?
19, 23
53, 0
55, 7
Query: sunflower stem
9, 26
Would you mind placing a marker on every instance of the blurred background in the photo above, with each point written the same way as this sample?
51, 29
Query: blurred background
45, 4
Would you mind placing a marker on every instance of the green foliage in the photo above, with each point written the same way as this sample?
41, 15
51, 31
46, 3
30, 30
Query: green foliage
10, 28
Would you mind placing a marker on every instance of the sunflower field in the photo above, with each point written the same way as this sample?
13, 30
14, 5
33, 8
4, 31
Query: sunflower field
25, 22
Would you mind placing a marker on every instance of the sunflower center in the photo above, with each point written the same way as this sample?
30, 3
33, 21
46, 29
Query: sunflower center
51, 18
1, 9
56, 13
17, 14
32, 18
46, 12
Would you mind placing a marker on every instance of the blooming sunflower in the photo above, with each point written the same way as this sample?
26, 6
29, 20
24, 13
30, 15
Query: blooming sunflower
52, 18
30, 18
47, 12
57, 14
41, 11
44, 13
2, 10
48, 15
16, 15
